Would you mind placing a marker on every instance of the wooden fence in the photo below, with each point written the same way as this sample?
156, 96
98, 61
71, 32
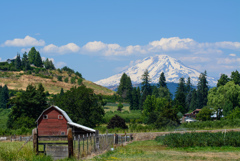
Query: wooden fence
80, 146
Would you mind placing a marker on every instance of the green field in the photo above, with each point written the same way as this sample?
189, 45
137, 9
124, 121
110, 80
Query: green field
153, 150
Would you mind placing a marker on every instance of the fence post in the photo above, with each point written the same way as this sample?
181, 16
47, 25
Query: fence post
70, 142
97, 140
115, 138
94, 142
91, 141
83, 144
87, 143
78, 146
125, 136
131, 137
35, 140
20, 138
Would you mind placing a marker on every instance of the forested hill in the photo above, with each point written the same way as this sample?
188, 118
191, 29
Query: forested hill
29, 68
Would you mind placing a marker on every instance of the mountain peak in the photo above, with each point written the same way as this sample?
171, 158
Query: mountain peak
172, 68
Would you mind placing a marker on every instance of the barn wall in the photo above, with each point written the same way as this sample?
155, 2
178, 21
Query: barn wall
52, 125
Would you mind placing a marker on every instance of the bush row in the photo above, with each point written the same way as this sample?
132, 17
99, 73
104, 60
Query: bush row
201, 139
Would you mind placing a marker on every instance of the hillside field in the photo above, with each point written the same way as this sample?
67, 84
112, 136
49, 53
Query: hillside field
20, 80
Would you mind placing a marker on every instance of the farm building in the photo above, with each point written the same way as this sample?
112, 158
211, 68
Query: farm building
54, 121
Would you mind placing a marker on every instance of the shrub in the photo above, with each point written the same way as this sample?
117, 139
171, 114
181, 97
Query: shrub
79, 81
117, 121
59, 78
66, 80
73, 80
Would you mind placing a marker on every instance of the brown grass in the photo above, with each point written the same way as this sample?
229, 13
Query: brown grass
20, 82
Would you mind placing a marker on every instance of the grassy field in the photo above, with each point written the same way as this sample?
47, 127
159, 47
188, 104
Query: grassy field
152, 150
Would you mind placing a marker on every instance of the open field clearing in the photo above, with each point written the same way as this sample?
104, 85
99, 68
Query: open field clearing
152, 150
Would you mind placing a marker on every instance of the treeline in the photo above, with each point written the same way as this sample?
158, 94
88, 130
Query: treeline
33, 58
160, 109
81, 104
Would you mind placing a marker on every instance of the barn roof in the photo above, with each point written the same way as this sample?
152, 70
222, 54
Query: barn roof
81, 127
60, 110
69, 121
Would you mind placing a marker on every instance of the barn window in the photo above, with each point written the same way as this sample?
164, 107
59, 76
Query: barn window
62, 133
45, 116
60, 117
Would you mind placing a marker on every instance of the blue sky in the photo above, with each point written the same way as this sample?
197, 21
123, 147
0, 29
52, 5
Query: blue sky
99, 38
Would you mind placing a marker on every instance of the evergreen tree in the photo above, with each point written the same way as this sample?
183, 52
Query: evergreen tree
188, 85
162, 80
18, 62
49, 64
31, 55
135, 100
4, 96
38, 60
202, 90
146, 87
125, 87
223, 80
180, 95
61, 92
25, 62
235, 77
193, 103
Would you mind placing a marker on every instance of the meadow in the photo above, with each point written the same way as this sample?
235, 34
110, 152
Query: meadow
154, 150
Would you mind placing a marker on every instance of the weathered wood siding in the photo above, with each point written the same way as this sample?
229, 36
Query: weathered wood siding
52, 125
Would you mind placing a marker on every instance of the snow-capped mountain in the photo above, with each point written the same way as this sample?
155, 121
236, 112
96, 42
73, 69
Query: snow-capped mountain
172, 68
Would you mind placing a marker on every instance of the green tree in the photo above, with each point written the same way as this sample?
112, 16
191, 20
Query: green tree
82, 106
235, 77
59, 78
125, 87
73, 80
180, 95
31, 55
145, 87
223, 80
38, 60
25, 62
135, 100
205, 114
49, 64
193, 103
18, 62
163, 92
80, 81
4, 96
120, 106
168, 117
61, 92
202, 90
188, 85
224, 98
27, 106
162, 80
234, 114
66, 80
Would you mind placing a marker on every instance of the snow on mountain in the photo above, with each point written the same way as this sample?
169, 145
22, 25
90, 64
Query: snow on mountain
172, 68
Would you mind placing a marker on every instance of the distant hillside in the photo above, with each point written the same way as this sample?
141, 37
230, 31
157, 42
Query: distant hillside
50, 80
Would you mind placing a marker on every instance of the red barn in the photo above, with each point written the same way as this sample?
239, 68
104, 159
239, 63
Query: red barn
55, 121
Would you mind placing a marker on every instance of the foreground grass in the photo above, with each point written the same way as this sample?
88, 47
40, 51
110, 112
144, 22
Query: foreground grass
152, 150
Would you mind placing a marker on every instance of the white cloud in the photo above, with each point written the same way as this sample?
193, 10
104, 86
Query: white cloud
228, 60
232, 54
0, 59
94, 46
27, 41
173, 43
69, 48
60, 64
